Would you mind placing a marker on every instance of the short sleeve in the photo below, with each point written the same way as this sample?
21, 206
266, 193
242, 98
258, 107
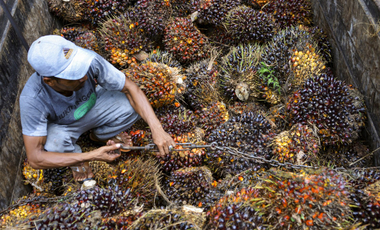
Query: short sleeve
106, 74
33, 117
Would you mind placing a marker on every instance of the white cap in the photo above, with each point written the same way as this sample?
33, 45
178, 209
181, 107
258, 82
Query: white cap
54, 56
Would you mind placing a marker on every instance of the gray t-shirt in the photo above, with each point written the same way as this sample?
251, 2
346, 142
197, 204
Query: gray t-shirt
40, 104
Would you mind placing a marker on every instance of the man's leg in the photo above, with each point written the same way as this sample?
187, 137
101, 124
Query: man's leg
114, 114
61, 138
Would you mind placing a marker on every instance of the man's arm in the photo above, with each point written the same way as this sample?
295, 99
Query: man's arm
141, 105
40, 159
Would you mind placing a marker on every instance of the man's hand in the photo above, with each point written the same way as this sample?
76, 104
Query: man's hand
163, 140
106, 153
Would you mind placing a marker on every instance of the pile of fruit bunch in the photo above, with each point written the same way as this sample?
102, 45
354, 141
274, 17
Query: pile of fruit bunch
138, 176
250, 133
193, 186
122, 39
185, 41
328, 104
157, 81
298, 145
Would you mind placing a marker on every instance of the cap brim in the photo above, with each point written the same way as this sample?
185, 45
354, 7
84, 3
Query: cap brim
78, 66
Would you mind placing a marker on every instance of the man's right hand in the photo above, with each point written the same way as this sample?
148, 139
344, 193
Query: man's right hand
106, 153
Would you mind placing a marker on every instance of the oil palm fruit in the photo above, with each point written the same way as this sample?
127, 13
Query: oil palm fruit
212, 116
250, 133
157, 81
289, 12
237, 70
214, 12
98, 11
299, 145
151, 16
193, 186
331, 106
163, 57
137, 175
122, 40
200, 81
248, 25
70, 11
185, 41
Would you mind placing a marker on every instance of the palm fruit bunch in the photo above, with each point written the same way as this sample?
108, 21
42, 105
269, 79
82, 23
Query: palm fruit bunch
237, 70
181, 8
245, 179
304, 200
220, 37
157, 81
20, 214
70, 32
182, 158
176, 120
151, 16
56, 178
257, 4
185, 41
352, 155
289, 12
34, 177
169, 219
163, 57
250, 133
211, 117
248, 25
236, 211
139, 176
99, 169
278, 52
98, 11
109, 201
64, 215
200, 81
306, 62
324, 45
365, 209
192, 186
238, 108
122, 39
365, 197
328, 104
214, 12
70, 11
81, 36
298, 145
121, 222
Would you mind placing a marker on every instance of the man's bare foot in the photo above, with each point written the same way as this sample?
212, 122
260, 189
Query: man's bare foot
123, 138
83, 172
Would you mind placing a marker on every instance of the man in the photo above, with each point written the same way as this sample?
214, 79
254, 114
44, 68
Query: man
61, 101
